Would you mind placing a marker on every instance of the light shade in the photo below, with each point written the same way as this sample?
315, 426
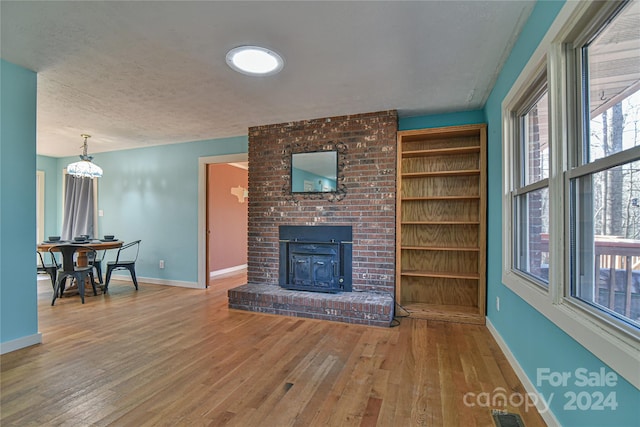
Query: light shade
254, 60
84, 169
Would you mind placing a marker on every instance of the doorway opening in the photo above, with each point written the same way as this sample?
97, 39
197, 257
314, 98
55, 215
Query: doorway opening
222, 216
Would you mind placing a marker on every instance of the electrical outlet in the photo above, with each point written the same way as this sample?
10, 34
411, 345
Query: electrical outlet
498, 303
161, 263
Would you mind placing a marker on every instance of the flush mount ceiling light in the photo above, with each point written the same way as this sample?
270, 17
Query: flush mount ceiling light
84, 168
254, 61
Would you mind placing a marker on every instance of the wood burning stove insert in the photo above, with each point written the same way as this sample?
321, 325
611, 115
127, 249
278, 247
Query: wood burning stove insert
315, 258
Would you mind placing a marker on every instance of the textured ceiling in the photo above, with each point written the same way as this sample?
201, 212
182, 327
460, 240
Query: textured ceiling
135, 74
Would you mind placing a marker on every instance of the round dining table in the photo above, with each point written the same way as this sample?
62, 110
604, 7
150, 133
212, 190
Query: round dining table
82, 260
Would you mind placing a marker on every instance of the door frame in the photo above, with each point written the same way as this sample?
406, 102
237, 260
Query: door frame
203, 250
40, 189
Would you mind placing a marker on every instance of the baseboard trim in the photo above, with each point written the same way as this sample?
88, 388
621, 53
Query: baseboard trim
155, 281
215, 273
545, 413
17, 344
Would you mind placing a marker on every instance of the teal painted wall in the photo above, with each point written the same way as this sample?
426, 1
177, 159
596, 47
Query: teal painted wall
534, 341
441, 120
152, 194
18, 292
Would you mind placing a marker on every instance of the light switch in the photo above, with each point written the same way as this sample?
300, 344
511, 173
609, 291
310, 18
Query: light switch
100, 212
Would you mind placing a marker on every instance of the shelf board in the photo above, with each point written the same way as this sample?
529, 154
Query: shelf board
440, 151
444, 275
440, 222
426, 198
441, 248
449, 313
425, 135
467, 172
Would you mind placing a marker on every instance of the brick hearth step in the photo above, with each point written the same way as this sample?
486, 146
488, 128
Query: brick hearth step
364, 308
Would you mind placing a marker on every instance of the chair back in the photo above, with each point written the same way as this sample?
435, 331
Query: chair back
68, 252
128, 252
42, 264
93, 257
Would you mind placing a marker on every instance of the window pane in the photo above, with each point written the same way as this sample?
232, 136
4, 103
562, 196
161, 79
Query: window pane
536, 141
605, 224
613, 75
532, 240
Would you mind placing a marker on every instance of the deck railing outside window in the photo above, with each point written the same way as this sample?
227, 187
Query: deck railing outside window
617, 267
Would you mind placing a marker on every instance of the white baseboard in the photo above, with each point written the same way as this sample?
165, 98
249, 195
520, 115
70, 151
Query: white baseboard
215, 273
17, 344
545, 413
127, 278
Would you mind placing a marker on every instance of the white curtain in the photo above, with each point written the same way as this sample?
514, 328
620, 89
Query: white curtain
78, 207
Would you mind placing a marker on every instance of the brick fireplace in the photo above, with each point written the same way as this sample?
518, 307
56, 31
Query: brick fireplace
365, 203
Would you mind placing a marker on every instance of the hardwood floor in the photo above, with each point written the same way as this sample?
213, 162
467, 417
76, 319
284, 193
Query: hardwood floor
176, 356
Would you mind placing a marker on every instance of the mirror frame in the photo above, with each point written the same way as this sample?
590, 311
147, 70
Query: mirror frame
334, 171
333, 196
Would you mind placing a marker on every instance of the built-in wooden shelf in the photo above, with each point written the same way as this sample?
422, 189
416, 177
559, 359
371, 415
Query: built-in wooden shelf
440, 173
450, 313
444, 275
441, 223
441, 151
426, 198
439, 248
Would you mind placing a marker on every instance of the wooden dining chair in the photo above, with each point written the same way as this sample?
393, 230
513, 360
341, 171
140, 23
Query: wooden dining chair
125, 260
69, 269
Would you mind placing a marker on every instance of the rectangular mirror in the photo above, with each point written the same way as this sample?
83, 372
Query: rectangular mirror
314, 172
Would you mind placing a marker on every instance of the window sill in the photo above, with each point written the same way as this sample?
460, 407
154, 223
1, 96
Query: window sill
616, 347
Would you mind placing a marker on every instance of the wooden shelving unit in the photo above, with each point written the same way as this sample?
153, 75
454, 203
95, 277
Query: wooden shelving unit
441, 223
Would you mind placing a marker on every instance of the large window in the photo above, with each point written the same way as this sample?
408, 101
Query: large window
571, 187
531, 192
604, 174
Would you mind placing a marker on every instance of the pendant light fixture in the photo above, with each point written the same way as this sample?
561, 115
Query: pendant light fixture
84, 168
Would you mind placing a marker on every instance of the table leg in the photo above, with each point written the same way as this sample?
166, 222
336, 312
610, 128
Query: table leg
82, 260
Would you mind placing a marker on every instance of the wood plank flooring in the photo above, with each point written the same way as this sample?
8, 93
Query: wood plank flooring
179, 357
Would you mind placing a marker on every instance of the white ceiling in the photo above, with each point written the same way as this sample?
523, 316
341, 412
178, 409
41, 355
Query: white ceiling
135, 74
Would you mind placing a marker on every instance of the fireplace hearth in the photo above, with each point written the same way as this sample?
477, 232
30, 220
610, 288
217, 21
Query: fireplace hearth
315, 258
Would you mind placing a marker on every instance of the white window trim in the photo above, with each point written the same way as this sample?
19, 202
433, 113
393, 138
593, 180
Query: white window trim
610, 343
527, 99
